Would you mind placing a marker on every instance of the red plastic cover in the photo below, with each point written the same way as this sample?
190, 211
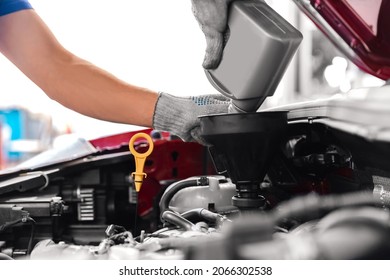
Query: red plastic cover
364, 26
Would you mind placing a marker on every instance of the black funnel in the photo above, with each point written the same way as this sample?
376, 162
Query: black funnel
243, 145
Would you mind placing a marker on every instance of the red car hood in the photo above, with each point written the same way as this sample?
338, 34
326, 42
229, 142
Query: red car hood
363, 25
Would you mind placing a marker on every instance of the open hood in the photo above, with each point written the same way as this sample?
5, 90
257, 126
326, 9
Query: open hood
363, 26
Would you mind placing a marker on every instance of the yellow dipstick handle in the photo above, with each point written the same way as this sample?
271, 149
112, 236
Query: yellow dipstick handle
140, 158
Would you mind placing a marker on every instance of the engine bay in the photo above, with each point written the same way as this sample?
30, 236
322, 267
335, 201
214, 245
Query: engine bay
321, 187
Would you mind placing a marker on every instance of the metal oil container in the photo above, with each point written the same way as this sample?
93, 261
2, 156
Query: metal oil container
259, 47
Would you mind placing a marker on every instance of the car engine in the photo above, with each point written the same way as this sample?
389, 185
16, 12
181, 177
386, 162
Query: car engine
321, 194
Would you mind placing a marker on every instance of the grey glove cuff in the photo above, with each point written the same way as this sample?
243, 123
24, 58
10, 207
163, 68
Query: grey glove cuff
179, 115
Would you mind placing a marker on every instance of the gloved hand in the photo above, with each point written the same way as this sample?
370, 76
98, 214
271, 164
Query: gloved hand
179, 115
212, 18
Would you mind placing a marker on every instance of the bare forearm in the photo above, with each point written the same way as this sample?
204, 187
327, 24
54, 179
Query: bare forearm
87, 89
68, 79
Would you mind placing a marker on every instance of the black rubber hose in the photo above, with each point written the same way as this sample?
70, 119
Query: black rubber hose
176, 219
201, 214
175, 187
29, 220
32, 235
8, 225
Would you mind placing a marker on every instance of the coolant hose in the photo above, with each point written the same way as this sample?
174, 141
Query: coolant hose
202, 214
177, 220
176, 187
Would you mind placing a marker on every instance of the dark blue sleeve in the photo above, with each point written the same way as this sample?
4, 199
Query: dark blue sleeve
11, 6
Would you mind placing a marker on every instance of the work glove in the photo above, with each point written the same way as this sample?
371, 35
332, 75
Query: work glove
179, 115
212, 18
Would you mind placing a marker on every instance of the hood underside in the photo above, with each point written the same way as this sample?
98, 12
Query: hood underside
359, 28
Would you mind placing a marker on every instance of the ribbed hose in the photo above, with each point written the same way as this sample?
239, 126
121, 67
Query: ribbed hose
176, 187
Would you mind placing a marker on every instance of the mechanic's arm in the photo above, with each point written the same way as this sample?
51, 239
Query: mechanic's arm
89, 90
68, 79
